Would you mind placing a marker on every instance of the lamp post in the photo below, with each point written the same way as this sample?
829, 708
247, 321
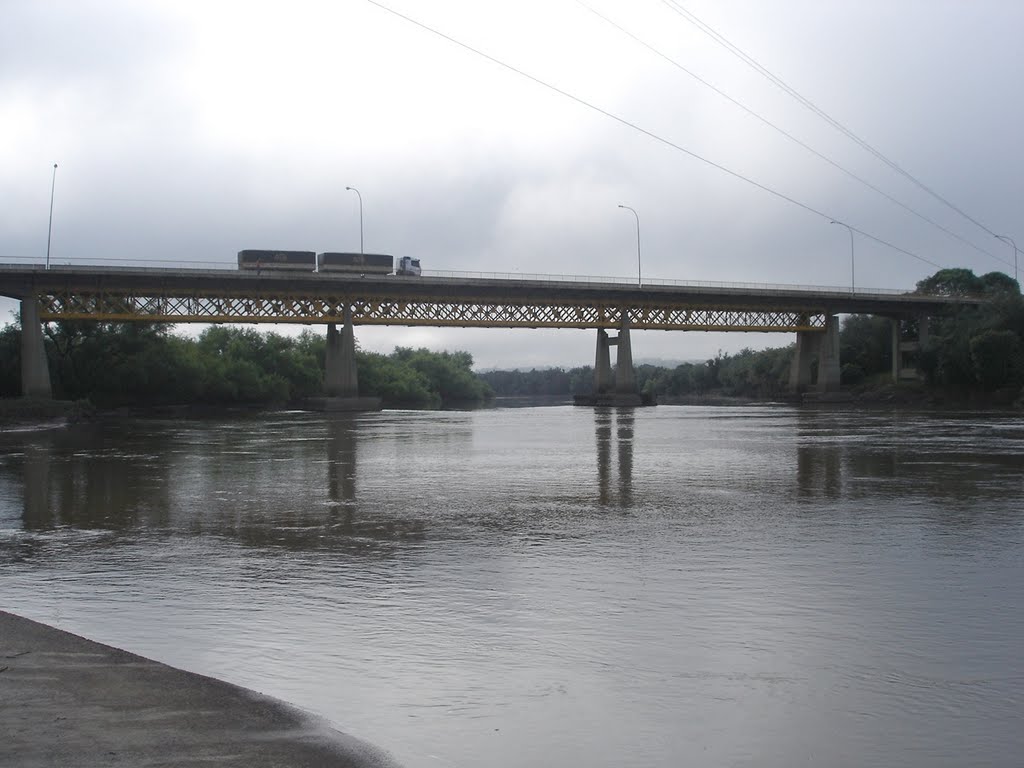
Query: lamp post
1009, 240
49, 227
850, 230
639, 279
353, 189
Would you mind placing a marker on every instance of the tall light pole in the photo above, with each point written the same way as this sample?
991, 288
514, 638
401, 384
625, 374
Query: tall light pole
1009, 240
353, 189
639, 280
853, 281
49, 227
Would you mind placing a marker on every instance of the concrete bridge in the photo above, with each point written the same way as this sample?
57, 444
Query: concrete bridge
119, 294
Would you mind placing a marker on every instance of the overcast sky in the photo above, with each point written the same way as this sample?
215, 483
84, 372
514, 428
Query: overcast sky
186, 131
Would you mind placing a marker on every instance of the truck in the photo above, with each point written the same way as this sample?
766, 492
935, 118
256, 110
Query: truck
307, 261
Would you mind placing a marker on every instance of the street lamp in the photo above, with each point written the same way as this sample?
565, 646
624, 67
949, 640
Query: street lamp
353, 189
639, 280
49, 227
1009, 240
852, 280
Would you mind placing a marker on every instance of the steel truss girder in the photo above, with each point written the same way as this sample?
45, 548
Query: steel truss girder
115, 306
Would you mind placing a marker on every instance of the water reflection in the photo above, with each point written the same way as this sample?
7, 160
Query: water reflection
269, 484
958, 458
819, 462
75, 478
618, 489
341, 460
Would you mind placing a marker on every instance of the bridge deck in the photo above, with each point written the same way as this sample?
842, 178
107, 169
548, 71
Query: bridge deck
211, 296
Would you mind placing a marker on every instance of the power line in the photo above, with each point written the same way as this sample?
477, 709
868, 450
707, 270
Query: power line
736, 51
785, 133
644, 131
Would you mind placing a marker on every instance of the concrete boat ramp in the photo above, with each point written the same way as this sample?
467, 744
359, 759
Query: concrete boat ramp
67, 701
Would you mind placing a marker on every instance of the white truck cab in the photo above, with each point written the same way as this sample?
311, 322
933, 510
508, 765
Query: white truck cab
408, 266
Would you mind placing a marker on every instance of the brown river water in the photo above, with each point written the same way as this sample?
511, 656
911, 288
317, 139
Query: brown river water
559, 586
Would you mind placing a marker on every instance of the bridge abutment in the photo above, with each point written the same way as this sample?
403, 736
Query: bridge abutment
35, 371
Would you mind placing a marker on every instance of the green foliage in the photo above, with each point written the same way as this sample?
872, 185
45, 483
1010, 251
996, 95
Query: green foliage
951, 282
865, 344
10, 355
998, 359
394, 381
450, 373
996, 283
143, 364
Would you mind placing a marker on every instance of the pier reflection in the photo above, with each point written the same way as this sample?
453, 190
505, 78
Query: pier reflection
73, 478
613, 433
341, 460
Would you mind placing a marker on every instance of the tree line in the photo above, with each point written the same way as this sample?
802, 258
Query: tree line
118, 364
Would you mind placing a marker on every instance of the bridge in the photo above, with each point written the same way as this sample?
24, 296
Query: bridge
137, 294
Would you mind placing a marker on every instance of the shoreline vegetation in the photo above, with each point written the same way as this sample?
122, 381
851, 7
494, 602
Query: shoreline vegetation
973, 358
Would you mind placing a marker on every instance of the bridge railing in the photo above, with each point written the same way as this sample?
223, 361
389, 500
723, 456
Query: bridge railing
658, 281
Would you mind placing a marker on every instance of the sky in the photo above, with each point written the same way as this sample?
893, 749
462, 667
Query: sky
186, 131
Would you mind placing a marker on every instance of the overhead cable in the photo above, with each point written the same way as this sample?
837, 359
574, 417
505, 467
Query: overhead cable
644, 131
736, 51
785, 133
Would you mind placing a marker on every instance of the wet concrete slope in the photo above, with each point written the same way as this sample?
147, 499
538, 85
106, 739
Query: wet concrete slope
65, 700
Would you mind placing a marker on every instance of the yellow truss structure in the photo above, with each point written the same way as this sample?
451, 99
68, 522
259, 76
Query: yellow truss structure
280, 307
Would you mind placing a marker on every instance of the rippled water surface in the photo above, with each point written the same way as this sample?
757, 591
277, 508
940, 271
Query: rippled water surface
555, 586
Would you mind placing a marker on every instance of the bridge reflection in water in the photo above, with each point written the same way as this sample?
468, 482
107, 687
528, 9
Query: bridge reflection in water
613, 432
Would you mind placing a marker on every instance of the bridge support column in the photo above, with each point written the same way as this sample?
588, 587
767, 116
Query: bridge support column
896, 354
340, 377
828, 356
35, 372
807, 344
602, 363
902, 350
625, 378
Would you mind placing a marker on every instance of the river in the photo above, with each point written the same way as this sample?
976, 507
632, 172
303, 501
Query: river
749, 586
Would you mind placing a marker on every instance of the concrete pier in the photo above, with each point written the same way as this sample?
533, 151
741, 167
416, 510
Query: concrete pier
823, 347
340, 376
602, 363
906, 354
35, 372
828, 356
625, 377
65, 700
618, 389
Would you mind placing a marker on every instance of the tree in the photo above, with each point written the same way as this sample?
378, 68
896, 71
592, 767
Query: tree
865, 344
997, 358
955, 281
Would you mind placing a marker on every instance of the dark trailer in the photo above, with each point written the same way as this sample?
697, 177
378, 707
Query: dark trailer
294, 260
363, 263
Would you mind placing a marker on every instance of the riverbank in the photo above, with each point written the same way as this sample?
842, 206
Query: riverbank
69, 701
38, 413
